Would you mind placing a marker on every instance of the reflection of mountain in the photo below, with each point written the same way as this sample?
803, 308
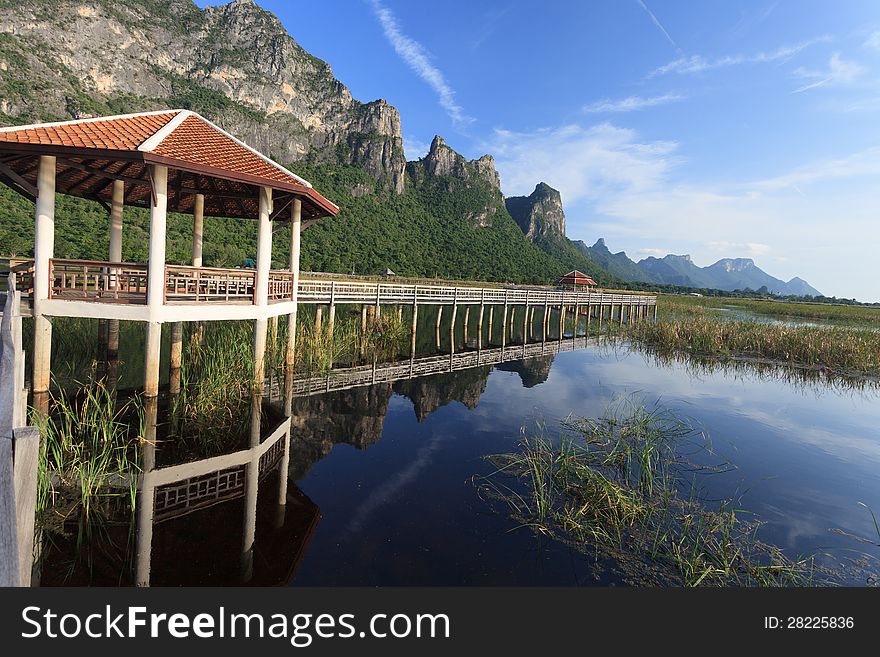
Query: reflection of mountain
352, 417
430, 393
532, 371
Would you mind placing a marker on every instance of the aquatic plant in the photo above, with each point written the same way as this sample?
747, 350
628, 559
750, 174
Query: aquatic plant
624, 485
843, 350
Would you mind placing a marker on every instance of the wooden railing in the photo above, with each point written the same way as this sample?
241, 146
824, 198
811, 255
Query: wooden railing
280, 286
126, 282
118, 282
24, 274
318, 291
210, 284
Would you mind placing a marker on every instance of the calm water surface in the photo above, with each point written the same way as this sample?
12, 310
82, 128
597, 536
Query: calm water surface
403, 506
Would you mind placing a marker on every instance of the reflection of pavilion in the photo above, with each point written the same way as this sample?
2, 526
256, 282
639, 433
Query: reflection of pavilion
275, 529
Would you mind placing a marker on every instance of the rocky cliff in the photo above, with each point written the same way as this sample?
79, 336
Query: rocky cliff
539, 214
234, 63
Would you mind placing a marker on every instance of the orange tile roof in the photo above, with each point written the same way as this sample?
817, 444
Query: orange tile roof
123, 133
197, 142
178, 138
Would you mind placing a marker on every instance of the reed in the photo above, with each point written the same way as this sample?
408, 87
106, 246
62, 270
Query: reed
841, 350
625, 486
867, 315
89, 454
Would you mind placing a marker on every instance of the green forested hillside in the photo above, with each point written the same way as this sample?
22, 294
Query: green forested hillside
426, 231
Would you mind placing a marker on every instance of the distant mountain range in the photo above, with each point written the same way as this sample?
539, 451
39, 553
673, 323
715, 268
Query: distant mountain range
726, 274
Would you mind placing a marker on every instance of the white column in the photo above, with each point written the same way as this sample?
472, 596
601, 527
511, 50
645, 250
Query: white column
158, 220
264, 247
116, 221
198, 229
152, 354
295, 230
44, 247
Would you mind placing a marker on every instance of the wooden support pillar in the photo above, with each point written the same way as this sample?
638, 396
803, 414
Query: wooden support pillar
562, 317
577, 319
504, 321
152, 352
260, 329
146, 496
319, 317
331, 315
295, 230
467, 320
378, 310
251, 488
158, 222
44, 248
415, 321
589, 313
655, 312
176, 357
491, 322
264, 247
437, 328
400, 312
452, 323
525, 335
480, 320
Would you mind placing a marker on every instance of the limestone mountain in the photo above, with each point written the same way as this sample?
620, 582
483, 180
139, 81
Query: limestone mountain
236, 65
726, 274
539, 214
617, 264
233, 63
541, 218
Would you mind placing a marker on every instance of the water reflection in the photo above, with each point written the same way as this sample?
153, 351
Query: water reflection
365, 475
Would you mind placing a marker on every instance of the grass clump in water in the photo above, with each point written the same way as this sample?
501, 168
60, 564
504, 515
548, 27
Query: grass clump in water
624, 486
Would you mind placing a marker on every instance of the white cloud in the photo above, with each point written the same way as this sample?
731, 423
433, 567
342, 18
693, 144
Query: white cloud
417, 58
634, 192
631, 103
414, 148
652, 251
839, 72
873, 41
859, 164
582, 163
739, 249
698, 63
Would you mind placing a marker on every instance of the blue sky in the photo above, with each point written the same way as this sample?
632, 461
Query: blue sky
718, 129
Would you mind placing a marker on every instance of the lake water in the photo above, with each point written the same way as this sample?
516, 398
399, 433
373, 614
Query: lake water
386, 479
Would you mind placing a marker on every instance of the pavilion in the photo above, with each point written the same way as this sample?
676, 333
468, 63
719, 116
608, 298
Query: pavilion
576, 279
167, 160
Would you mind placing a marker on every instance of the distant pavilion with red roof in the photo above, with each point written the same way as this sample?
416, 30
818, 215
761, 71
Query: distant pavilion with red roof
576, 280
167, 160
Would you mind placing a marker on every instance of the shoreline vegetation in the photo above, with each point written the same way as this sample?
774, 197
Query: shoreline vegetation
694, 326
626, 488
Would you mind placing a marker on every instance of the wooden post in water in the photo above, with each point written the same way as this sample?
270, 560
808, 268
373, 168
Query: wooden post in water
319, 317
504, 321
331, 315
176, 357
526, 319
467, 319
415, 319
452, 323
589, 313
562, 316
437, 328
491, 322
480, 320
378, 299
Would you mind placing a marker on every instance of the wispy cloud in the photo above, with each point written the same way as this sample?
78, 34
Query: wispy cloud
414, 148
839, 71
873, 41
631, 103
582, 163
417, 58
698, 63
659, 25
860, 164
739, 249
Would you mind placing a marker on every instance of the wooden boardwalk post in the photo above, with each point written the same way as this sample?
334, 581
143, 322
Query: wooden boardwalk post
331, 316
467, 319
504, 321
452, 322
491, 322
526, 318
19, 452
480, 320
415, 319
